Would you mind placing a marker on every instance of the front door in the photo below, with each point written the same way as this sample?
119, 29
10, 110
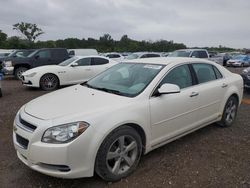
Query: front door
174, 114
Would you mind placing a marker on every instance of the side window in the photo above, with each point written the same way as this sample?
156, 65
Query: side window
203, 54
217, 73
44, 54
204, 72
116, 56
180, 76
99, 61
144, 56
84, 62
153, 55
195, 54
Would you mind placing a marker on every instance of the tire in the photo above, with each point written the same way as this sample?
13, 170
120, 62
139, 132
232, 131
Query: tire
229, 112
1, 94
49, 82
119, 154
19, 71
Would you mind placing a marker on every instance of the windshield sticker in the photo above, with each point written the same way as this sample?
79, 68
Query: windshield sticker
153, 67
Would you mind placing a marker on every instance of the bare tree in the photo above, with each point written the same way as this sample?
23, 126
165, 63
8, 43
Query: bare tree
29, 30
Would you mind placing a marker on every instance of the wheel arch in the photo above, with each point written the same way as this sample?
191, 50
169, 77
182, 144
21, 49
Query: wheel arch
52, 74
21, 65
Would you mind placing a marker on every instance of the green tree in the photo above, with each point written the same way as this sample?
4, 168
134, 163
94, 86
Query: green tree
3, 37
29, 30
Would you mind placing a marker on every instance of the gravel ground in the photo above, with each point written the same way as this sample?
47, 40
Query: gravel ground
210, 157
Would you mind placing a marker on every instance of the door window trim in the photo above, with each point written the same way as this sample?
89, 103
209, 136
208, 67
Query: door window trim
159, 82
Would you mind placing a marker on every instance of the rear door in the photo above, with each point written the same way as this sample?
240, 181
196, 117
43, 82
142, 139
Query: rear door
59, 55
41, 58
211, 89
99, 64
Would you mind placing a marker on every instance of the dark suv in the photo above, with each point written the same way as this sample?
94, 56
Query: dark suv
45, 56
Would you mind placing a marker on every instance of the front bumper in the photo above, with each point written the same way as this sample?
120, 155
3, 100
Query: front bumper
71, 160
29, 81
8, 70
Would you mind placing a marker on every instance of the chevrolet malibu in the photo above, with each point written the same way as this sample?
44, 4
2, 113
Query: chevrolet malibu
106, 124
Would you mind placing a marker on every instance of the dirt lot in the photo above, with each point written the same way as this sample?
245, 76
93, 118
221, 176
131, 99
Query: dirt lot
210, 157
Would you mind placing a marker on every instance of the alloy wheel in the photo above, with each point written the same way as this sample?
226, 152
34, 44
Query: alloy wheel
122, 155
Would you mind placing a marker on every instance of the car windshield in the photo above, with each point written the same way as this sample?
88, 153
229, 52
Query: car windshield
68, 61
180, 53
33, 53
239, 57
125, 79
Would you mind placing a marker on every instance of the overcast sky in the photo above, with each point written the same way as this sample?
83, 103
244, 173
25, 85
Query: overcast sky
192, 22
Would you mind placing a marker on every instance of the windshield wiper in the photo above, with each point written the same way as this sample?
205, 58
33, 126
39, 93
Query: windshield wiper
104, 89
109, 90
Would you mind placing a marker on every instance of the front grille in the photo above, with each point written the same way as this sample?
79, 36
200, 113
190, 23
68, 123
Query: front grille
23, 142
26, 125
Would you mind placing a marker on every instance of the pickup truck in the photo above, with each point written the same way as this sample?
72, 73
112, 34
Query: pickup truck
196, 53
41, 57
15, 54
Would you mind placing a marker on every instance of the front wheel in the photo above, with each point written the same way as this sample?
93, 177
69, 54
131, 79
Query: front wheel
119, 154
229, 113
1, 94
49, 82
19, 71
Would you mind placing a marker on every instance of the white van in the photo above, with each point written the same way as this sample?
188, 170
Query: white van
82, 52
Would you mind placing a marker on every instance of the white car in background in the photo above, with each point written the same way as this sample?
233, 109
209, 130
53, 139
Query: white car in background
106, 124
77, 69
139, 55
115, 56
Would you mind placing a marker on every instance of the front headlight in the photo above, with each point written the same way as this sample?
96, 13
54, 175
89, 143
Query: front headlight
64, 133
8, 63
31, 74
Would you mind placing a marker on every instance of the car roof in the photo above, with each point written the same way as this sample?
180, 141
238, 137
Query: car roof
167, 60
191, 49
85, 56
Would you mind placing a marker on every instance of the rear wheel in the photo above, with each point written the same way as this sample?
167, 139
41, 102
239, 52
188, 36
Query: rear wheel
230, 112
19, 71
1, 94
49, 82
119, 154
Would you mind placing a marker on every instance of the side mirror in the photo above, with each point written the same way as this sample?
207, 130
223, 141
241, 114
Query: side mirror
74, 64
37, 56
169, 89
71, 53
193, 56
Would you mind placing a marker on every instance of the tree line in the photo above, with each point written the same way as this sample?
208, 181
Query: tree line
105, 43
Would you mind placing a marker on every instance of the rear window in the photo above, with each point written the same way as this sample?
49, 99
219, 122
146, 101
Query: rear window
99, 61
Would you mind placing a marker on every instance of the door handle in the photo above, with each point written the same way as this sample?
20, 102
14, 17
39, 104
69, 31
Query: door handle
88, 69
193, 94
224, 85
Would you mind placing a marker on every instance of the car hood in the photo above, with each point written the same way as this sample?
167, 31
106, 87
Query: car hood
45, 68
73, 100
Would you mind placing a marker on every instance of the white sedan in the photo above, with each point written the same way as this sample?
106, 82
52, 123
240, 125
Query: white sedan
72, 71
106, 124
